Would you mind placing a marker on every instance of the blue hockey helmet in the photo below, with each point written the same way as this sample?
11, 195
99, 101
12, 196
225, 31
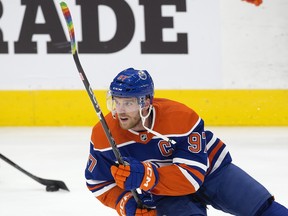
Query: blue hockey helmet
133, 83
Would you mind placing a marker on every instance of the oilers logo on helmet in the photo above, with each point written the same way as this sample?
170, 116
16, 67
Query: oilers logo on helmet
142, 75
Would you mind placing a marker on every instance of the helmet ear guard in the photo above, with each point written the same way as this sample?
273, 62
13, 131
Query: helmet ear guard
143, 102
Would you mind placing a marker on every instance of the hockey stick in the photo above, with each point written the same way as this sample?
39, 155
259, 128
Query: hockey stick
51, 185
68, 18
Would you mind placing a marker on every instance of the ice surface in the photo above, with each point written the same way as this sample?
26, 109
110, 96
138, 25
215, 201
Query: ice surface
60, 153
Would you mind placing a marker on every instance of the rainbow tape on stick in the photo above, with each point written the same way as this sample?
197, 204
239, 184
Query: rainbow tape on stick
68, 18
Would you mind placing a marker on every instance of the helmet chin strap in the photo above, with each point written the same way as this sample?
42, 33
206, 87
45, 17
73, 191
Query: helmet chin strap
143, 119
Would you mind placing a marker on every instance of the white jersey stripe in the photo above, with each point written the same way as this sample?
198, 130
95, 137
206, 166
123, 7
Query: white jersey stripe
211, 142
94, 182
190, 163
189, 178
220, 159
103, 190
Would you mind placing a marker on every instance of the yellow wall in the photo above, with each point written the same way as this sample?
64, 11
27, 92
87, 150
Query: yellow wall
73, 107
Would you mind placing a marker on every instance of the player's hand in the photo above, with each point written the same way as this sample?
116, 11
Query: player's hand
136, 174
127, 206
255, 2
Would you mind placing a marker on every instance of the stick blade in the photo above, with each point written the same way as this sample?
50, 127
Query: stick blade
54, 183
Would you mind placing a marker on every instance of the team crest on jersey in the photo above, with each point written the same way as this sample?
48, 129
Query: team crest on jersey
142, 75
143, 137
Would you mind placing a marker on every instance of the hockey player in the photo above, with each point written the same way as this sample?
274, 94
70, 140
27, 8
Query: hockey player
177, 166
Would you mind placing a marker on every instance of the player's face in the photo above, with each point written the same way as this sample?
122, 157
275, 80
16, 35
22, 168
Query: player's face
127, 110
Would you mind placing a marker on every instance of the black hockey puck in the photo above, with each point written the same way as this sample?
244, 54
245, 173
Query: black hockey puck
52, 188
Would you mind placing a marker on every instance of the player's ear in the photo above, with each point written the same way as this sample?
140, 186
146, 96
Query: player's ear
147, 103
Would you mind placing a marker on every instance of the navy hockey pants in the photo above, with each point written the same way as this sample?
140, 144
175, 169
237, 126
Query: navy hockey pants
231, 190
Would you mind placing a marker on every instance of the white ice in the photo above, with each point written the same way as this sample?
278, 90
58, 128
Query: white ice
60, 153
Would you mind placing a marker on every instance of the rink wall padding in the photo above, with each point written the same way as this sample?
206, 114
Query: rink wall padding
73, 107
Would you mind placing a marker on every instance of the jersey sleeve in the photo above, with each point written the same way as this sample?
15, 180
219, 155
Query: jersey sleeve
190, 164
97, 173
111, 197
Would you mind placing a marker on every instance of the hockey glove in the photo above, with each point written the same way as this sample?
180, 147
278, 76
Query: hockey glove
136, 174
127, 206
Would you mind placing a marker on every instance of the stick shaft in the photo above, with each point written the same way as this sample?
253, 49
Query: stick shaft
97, 109
89, 90
42, 181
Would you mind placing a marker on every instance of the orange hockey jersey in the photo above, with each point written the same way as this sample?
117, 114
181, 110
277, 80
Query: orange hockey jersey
182, 167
